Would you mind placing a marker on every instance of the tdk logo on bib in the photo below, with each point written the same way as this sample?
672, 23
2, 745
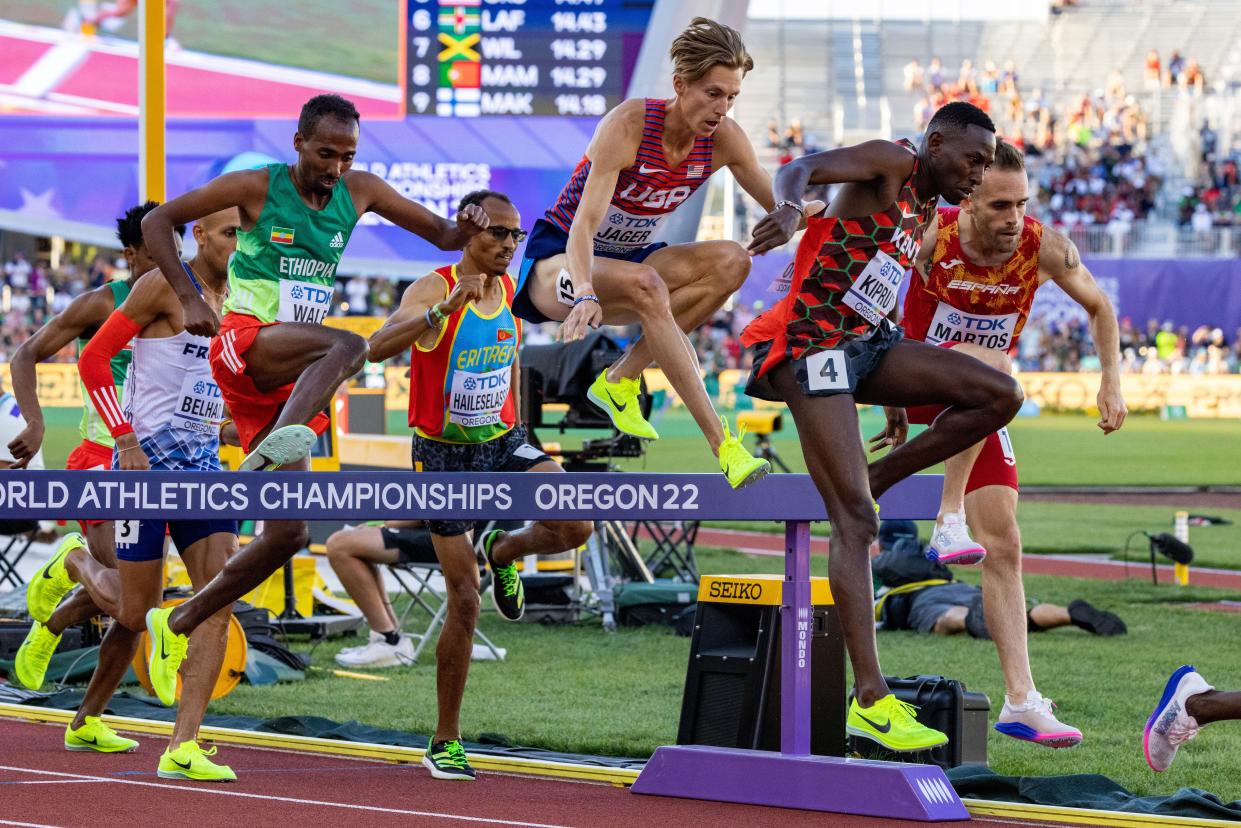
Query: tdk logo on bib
988, 331
303, 302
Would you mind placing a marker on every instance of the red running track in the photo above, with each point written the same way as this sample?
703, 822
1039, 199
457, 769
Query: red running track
41, 784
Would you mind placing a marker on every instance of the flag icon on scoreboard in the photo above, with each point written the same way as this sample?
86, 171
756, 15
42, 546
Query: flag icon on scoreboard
462, 102
459, 19
461, 74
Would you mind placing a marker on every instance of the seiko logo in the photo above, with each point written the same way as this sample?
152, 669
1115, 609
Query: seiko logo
963, 284
736, 591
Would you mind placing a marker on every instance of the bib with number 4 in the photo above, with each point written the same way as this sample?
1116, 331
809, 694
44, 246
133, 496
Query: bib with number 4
873, 293
827, 371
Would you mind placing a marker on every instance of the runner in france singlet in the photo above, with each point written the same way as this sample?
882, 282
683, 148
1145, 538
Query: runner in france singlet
284, 269
460, 390
959, 301
845, 277
92, 426
646, 193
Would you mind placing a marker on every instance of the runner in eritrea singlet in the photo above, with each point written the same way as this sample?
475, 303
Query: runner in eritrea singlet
960, 301
846, 275
645, 193
461, 388
284, 269
92, 426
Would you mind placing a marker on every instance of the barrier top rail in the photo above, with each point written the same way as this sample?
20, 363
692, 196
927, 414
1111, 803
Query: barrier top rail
446, 496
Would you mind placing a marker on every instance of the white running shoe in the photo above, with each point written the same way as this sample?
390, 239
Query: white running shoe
283, 446
370, 639
1170, 726
380, 654
951, 542
1033, 721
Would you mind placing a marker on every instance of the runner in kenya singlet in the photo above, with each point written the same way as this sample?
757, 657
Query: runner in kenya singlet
846, 275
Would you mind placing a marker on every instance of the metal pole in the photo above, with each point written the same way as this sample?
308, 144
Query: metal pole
152, 181
796, 619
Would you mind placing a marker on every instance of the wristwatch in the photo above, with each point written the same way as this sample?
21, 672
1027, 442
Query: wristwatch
795, 205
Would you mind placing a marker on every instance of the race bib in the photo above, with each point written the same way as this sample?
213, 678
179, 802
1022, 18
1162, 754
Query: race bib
200, 408
477, 399
987, 331
622, 232
304, 302
564, 288
125, 532
782, 283
827, 371
873, 293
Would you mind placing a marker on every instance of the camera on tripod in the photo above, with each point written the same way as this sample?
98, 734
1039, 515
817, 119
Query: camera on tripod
554, 375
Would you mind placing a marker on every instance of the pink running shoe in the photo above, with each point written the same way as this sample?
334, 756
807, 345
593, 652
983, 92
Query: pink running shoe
1033, 721
951, 542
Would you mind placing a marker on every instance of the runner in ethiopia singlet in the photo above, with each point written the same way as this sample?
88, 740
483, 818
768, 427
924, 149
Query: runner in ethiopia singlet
284, 270
846, 276
646, 194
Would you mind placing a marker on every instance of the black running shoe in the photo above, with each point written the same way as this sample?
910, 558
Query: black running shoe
507, 593
446, 760
1094, 620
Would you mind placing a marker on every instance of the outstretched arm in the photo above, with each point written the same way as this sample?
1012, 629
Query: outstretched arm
245, 189
380, 198
84, 313
869, 162
1059, 259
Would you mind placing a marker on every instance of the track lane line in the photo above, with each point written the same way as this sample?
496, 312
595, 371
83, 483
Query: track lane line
289, 799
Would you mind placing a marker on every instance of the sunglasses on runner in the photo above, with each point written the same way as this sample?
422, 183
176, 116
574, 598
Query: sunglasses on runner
498, 233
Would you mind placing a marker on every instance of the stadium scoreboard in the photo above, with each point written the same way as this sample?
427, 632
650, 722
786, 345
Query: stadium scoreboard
520, 57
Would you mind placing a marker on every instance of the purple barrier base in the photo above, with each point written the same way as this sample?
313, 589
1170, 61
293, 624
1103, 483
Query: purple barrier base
813, 783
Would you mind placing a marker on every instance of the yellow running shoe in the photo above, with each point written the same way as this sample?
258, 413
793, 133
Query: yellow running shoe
189, 761
741, 467
95, 735
33, 656
891, 723
167, 653
619, 400
52, 581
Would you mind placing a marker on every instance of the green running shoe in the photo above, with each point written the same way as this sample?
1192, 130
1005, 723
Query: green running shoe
447, 760
167, 653
507, 593
52, 581
283, 446
619, 400
33, 656
741, 467
189, 761
891, 723
95, 735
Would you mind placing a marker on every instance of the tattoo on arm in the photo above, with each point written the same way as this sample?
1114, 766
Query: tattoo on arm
1071, 257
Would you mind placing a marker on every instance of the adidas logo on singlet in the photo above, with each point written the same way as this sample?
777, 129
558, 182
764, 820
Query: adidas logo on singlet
337, 240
